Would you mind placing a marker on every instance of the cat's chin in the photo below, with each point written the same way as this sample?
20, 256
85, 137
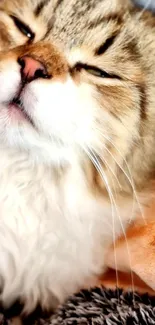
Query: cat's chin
11, 115
24, 140
16, 114
19, 133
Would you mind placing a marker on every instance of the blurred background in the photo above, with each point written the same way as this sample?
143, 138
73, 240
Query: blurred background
150, 4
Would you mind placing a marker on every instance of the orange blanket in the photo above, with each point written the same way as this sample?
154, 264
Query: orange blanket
134, 257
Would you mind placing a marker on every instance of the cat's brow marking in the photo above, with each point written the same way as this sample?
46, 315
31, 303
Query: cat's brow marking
143, 101
57, 4
40, 7
105, 46
105, 19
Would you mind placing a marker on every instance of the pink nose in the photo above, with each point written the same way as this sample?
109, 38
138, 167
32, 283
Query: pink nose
31, 68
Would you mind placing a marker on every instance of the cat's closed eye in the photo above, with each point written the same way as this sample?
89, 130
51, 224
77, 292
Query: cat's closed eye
95, 71
23, 28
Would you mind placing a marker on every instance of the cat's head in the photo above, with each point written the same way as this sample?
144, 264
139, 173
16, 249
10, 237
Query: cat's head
72, 81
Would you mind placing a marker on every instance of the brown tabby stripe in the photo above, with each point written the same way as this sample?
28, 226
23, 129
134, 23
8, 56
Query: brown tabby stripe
143, 102
104, 47
101, 89
131, 49
57, 5
5, 38
95, 177
51, 22
49, 27
105, 19
40, 7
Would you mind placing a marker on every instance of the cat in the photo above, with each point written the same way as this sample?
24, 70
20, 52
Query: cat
77, 140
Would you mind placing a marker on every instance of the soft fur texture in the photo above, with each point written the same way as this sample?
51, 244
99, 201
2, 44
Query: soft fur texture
78, 152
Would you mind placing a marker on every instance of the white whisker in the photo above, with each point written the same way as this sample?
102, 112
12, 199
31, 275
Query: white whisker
96, 163
108, 167
130, 179
99, 168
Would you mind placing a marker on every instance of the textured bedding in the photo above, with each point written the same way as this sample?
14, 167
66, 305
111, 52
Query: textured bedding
101, 306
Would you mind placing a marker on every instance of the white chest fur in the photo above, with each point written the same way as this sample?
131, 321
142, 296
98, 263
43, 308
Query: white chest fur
53, 233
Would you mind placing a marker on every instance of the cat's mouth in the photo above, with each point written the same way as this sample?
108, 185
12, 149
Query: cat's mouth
16, 106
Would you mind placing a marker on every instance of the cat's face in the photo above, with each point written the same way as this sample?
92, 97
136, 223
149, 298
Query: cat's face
71, 81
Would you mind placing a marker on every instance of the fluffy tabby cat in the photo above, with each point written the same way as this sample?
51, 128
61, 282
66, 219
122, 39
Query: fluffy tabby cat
77, 140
